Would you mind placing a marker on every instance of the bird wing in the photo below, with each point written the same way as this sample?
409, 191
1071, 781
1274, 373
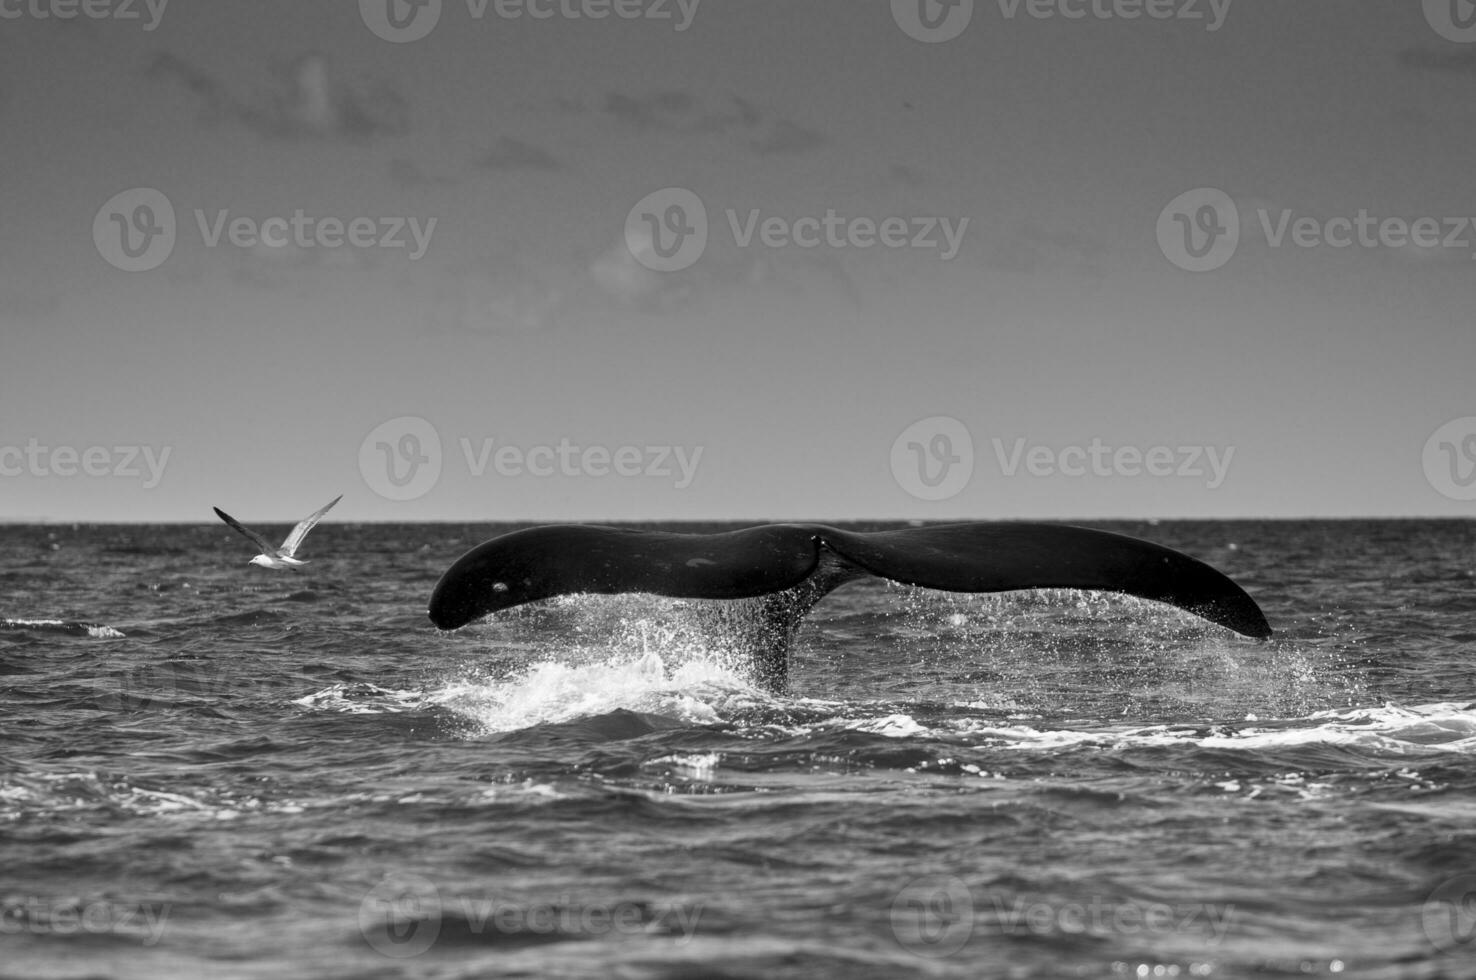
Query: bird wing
294, 540
246, 532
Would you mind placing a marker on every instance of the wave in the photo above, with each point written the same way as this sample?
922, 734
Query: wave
700, 691
697, 691
46, 794
362, 699
65, 626
604, 659
705, 689
40, 793
1391, 731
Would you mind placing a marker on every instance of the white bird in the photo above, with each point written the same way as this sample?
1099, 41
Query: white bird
279, 557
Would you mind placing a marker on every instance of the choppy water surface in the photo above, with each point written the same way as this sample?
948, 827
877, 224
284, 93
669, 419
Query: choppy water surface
209, 769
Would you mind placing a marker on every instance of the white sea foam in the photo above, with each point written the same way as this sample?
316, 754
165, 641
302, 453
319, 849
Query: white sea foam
362, 699
1447, 727
64, 626
695, 691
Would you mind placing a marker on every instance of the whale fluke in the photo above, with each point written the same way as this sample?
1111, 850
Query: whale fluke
793, 566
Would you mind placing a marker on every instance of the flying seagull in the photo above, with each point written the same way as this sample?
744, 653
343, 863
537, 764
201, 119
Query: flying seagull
279, 557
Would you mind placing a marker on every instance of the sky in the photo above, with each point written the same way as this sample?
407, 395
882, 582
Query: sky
759, 260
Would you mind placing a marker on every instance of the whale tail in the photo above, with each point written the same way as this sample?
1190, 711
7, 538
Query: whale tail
793, 566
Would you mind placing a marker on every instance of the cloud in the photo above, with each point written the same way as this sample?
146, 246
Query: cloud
306, 103
721, 275
901, 175
407, 173
800, 273
619, 272
1462, 61
674, 111
788, 137
1033, 250
511, 154
679, 112
288, 264
504, 296
660, 110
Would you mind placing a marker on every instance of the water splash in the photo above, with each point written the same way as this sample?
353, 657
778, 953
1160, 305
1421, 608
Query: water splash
666, 662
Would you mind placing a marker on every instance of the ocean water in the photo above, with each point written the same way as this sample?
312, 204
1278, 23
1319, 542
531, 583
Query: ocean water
213, 770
